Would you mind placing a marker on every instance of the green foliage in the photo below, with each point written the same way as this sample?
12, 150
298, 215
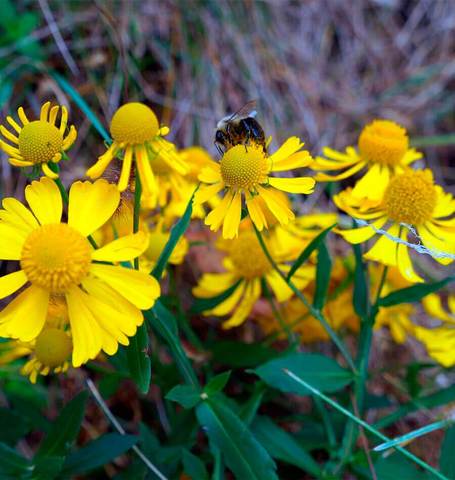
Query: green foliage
139, 363
323, 271
193, 466
187, 396
322, 372
447, 459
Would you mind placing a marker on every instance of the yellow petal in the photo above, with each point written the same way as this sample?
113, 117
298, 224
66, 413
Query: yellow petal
86, 333
289, 147
323, 177
12, 282
205, 193
48, 172
17, 215
137, 287
70, 139
373, 183
23, 118
45, 200
14, 124
24, 317
362, 234
275, 204
385, 249
146, 175
293, 185
210, 173
433, 306
44, 112
8, 135
256, 214
215, 218
96, 170
229, 304
12, 241
63, 120
126, 169
212, 284
10, 150
99, 289
280, 288
123, 249
404, 262
252, 293
232, 220
53, 114
19, 163
91, 205
297, 160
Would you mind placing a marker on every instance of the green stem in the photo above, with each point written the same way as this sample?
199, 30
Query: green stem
137, 210
315, 312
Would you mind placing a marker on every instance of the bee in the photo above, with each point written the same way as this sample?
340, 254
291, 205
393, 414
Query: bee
239, 128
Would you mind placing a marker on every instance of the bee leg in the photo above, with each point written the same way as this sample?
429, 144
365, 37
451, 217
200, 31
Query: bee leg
220, 150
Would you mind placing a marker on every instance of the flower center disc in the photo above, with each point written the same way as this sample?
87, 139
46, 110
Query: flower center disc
56, 257
134, 123
244, 166
247, 256
411, 197
53, 347
39, 141
384, 142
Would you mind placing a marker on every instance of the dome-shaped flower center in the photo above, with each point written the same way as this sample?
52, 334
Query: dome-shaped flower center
56, 257
244, 166
39, 141
53, 347
134, 123
248, 257
384, 142
157, 243
411, 197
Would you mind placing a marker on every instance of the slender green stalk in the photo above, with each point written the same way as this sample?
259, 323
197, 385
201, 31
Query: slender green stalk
365, 425
434, 141
315, 312
137, 210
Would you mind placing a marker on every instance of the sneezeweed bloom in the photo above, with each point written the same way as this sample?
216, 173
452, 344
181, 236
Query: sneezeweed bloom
411, 205
139, 138
38, 142
246, 267
383, 151
104, 300
440, 340
244, 173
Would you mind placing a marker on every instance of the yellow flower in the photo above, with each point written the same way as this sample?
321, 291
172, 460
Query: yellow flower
40, 141
439, 341
411, 205
104, 301
244, 172
338, 311
246, 266
136, 132
383, 149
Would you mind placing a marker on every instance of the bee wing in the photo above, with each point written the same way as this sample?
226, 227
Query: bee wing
248, 110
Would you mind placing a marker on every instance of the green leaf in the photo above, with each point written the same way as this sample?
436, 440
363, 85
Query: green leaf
447, 458
82, 104
308, 250
360, 295
47, 467
65, 429
163, 322
282, 446
242, 453
322, 372
323, 270
413, 294
393, 467
249, 409
236, 354
97, 453
139, 362
217, 383
176, 232
187, 396
13, 465
13, 426
193, 466
203, 304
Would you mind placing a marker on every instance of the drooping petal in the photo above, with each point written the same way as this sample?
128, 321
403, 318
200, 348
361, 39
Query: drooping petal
257, 215
288, 148
19, 163
86, 333
206, 192
445, 204
7, 134
212, 284
293, 185
276, 205
63, 120
146, 174
126, 169
232, 220
385, 249
137, 287
373, 183
280, 288
215, 218
14, 124
297, 160
99, 289
24, 317
228, 305
404, 262
45, 200
48, 172
439, 247
433, 306
12, 282
123, 249
91, 205
96, 170
210, 173
70, 139
323, 177
10, 150
251, 295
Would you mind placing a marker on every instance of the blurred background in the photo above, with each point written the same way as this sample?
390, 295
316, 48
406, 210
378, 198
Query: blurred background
318, 69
